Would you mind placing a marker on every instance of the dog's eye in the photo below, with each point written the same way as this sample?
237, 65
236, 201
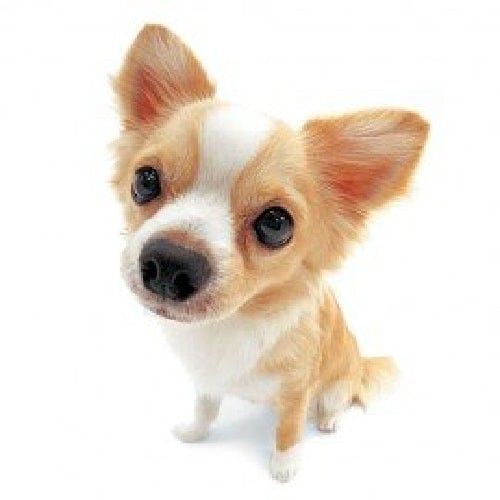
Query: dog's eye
274, 227
146, 185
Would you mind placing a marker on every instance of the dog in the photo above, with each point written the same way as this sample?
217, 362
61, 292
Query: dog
233, 218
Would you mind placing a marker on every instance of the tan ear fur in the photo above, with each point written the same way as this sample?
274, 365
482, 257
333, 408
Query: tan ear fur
368, 157
159, 74
359, 161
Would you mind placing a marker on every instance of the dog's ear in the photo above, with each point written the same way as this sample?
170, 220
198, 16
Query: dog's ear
359, 162
364, 159
159, 74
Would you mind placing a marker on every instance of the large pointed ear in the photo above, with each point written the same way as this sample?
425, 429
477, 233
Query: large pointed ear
159, 74
366, 158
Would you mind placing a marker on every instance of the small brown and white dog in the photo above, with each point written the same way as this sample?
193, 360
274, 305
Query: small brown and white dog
233, 218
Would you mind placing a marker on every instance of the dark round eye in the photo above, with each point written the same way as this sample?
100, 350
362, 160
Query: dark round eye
274, 227
146, 185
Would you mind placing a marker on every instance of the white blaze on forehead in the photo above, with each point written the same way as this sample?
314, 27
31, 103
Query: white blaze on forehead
230, 137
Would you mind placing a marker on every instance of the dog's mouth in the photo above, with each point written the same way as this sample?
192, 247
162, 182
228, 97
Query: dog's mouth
194, 311
200, 307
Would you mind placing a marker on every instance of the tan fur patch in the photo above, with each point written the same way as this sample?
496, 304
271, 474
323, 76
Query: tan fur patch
172, 148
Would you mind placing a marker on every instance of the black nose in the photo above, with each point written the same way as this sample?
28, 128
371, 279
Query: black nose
172, 271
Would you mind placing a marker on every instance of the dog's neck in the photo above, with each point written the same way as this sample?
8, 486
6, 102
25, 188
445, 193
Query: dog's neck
218, 354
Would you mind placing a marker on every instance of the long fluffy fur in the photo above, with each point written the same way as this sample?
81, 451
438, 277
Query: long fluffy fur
379, 373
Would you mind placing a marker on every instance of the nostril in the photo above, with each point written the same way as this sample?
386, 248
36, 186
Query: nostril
181, 285
162, 278
150, 271
171, 271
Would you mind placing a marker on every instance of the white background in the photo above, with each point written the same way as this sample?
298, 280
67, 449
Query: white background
88, 387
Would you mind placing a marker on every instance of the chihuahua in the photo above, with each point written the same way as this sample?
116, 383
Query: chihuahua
233, 218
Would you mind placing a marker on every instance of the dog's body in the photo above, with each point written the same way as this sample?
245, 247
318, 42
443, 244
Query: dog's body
234, 217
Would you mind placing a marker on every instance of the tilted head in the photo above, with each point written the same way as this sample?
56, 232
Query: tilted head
230, 210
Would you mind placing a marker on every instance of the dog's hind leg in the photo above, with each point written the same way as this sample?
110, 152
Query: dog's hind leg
331, 403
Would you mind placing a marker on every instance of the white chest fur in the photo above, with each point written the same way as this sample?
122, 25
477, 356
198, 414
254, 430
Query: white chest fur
220, 356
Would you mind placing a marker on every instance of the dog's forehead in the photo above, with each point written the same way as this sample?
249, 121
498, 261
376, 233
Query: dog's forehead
230, 136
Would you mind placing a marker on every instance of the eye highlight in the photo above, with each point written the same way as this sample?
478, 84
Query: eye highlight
146, 185
274, 227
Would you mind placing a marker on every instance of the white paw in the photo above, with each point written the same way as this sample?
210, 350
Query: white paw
326, 424
190, 433
285, 464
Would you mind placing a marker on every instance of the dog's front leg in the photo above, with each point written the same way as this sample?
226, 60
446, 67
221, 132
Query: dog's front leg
205, 412
292, 413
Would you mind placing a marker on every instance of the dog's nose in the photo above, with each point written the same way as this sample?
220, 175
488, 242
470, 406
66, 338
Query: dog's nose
172, 271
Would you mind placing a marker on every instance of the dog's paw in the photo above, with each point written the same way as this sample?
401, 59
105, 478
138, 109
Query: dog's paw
285, 464
190, 433
326, 424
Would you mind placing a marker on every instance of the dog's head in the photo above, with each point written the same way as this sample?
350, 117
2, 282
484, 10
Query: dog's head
231, 210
